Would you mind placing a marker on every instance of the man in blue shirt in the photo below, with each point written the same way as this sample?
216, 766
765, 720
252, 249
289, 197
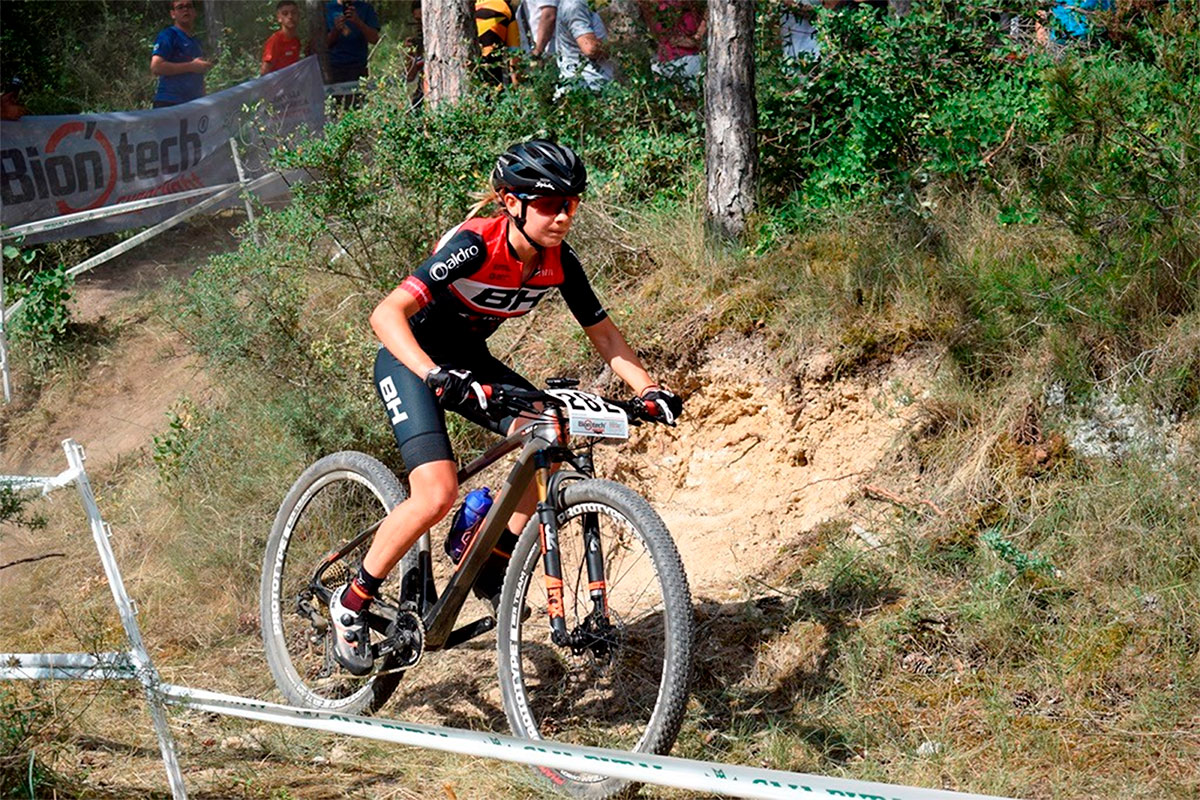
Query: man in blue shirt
177, 58
351, 26
1073, 15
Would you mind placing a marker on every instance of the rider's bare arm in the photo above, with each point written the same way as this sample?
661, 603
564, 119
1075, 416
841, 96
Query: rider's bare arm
606, 337
389, 320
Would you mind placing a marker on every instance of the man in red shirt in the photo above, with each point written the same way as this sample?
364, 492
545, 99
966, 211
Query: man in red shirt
283, 48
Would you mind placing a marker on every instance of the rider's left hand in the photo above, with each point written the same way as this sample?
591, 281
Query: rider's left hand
663, 405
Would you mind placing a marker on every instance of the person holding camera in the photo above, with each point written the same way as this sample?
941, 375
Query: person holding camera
351, 27
178, 59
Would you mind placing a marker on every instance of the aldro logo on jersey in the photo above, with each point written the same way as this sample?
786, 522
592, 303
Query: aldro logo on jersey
441, 270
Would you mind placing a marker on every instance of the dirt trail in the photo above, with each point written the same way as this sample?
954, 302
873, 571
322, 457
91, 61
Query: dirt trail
120, 402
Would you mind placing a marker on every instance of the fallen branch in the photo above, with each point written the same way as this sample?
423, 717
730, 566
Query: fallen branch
877, 493
31, 559
995, 151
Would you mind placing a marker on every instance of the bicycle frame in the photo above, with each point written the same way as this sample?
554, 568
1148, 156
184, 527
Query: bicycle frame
539, 443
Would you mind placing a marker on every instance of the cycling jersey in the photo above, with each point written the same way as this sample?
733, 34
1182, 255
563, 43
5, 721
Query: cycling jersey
471, 284
474, 281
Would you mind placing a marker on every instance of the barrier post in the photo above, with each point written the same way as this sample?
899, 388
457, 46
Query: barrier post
132, 665
3, 338
241, 173
146, 671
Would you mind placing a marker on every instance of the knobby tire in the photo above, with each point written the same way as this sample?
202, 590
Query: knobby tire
632, 701
336, 497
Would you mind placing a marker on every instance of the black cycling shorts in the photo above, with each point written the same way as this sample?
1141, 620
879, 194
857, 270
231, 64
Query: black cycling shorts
418, 422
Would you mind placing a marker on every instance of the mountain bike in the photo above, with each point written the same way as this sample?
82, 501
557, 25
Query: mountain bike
594, 626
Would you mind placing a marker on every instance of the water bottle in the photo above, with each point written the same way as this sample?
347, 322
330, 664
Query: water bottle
466, 522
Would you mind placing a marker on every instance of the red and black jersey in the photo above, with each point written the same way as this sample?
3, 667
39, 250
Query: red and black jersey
473, 282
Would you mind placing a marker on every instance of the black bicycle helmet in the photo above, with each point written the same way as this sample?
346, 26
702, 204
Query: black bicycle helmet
540, 167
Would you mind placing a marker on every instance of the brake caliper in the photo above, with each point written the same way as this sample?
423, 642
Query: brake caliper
595, 635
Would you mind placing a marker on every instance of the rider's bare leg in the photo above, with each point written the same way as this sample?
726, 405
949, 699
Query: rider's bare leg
433, 489
528, 504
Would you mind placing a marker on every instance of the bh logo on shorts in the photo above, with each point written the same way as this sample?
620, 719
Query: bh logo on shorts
391, 398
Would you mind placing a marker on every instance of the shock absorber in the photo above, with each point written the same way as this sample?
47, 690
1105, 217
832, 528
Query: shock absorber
551, 562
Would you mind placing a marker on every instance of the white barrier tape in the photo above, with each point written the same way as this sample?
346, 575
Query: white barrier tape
47, 485
66, 666
66, 220
132, 242
725, 779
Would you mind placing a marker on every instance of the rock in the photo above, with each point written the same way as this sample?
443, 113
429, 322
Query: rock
929, 749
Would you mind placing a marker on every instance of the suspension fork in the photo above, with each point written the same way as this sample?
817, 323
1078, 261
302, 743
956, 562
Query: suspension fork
551, 561
594, 553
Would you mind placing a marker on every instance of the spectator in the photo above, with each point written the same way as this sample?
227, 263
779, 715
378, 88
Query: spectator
579, 36
1072, 15
351, 27
283, 47
678, 28
178, 59
798, 31
496, 30
538, 19
11, 109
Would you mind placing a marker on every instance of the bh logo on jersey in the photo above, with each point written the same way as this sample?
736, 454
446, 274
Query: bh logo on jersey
505, 301
391, 399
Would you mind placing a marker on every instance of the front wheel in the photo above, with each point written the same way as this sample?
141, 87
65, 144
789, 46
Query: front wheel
332, 501
627, 688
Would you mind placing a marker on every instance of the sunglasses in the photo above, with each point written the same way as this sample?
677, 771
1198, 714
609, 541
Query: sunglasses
552, 206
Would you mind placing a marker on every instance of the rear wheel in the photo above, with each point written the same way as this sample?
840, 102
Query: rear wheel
332, 501
628, 688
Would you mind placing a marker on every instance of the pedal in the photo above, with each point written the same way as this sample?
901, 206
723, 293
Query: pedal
469, 632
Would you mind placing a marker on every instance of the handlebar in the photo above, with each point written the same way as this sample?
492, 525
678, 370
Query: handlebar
519, 399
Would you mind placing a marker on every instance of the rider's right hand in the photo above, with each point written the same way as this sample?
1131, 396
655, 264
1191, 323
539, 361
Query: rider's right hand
454, 387
662, 405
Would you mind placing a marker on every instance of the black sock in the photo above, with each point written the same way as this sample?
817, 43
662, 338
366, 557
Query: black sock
363, 590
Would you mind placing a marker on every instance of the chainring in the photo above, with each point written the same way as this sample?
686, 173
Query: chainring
406, 637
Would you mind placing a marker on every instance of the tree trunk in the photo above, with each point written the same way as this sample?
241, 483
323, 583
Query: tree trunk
731, 117
314, 15
900, 7
214, 21
450, 47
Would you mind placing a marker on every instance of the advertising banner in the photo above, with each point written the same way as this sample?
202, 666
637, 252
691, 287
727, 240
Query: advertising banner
56, 165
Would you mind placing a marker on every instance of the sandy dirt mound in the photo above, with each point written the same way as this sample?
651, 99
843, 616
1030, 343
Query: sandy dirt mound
759, 460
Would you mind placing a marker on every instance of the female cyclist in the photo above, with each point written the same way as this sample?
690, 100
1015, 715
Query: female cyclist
434, 328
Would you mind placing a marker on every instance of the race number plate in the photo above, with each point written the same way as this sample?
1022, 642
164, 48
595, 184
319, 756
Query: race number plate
590, 415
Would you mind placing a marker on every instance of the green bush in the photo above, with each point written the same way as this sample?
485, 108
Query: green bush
24, 720
892, 101
42, 324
